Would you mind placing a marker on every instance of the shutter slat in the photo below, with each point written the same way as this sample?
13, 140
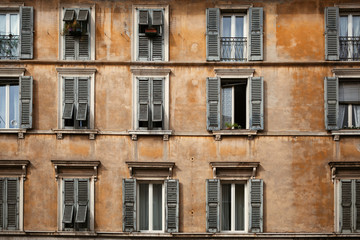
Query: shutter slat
157, 96
256, 205
256, 34
213, 103
172, 205
212, 34
256, 103
331, 86
26, 99
129, 205
332, 33
212, 205
26, 32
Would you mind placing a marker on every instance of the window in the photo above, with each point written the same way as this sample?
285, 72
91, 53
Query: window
151, 33
350, 36
16, 33
234, 35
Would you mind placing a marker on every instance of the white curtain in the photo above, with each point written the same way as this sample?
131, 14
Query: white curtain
342, 109
226, 106
2, 106
356, 115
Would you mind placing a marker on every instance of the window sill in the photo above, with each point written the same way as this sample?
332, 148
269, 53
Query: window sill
18, 131
345, 132
76, 233
164, 133
90, 132
234, 132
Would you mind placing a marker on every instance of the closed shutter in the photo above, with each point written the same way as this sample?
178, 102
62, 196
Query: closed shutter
346, 202
212, 34
2, 202
157, 48
144, 48
69, 47
129, 205
157, 18
82, 200
332, 33
26, 99
143, 99
256, 34
357, 206
12, 203
256, 103
212, 205
172, 205
331, 85
157, 100
69, 201
26, 32
213, 103
256, 205
69, 98
84, 47
83, 99
143, 18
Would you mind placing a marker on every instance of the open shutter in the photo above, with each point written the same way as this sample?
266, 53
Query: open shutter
331, 85
82, 200
69, 15
25, 101
83, 99
143, 101
157, 48
157, 99
2, 202
157, 18
256, 103
69, 47
212, 34
84, 47
26, 32
83, 15
68, 195
212, 205
69, 98
129, 205
256, 205
345, 203
332, 33
143, 18
12, 203
172, 205
357, 206
256, 34
213, 103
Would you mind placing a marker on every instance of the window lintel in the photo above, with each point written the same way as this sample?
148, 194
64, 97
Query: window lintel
235, 7
150, 72
12, 71
151, 169
236, 170
344, 169
14, 167
65, 167
236, 73
76, 71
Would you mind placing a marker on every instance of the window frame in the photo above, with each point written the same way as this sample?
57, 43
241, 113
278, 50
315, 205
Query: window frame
8, 29
7, 106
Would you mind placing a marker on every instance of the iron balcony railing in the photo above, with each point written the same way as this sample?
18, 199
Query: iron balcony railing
350, 48
233, 48
9, 46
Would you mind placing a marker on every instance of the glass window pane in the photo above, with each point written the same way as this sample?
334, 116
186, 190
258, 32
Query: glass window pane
356, 26
14, 24
226, 106
2, 24
239, 30
343, 26
157, 206
14, 107
226, 207
2, 106
239, 207
144, 206
226, 26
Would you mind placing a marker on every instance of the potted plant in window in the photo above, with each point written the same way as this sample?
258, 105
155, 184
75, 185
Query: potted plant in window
73, 28
230, 126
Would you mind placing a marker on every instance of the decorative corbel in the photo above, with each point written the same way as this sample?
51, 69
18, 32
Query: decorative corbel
250, 137
59, 136
166, 137
131, 172
56, 173
23, 167
134, 137
20, 135
217, 137
95, 173
214, 172
336, 137
253, 173
333, 174
92, 136
170, 173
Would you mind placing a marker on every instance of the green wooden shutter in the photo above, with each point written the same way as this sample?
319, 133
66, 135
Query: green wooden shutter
345, 203
157, 48
256, 34
69, 47
331, 86
256, 205
213, 103
26, 32
143, 99
157, 99
2, 202
69, 201
212, 205
172, 205
82, 200
69, 98
129, 205
12, 192
357, 206
83, 99
25, 101
332, 33
84, 47
157, 18
256, 103
213, 34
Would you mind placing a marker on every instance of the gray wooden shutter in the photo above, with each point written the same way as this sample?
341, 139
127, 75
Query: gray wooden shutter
83, 99
82, 200
84, 47
357, 205
172, 205
26, 32
69, 15
69, 201
345, 203
213, 34
157, 99
83, 15
12, 203
143, 99
143, 17
212, 205
213, 103
256, 34
25, 101
69, 98
256, 103
256, 205
129, 205
331, 85
2, 202
332, 33
69, 47
157, 18
157, 48
144, 48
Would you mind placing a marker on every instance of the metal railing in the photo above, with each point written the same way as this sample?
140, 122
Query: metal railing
9, 45
350, 48
233, 48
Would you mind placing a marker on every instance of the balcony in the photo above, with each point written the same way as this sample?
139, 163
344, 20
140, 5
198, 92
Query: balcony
233, 48
350, 48
9, 46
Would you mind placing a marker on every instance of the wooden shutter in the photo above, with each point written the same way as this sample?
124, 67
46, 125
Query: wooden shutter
83, 15
84, 47
256, 103
82, 200
157, 18
143, 18
144, 48
332, 33
331, 85
83, 99
213, 34
357, 206
143, 99
213, 103
345, 203
172, 205
2, 202
69, 47
256, 205
129, 205
69, 15
26, 32
69, 201
25, 101
69, 98
157, 99
256, 34
212, 205
157, 48
12, 192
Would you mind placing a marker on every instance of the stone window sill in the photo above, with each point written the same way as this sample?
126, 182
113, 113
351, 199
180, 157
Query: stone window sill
345, 132
165, 133
234, 132
90, 132
19, 131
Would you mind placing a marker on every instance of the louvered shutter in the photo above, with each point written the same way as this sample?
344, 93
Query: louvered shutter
143, 99
26, 32
82, 200
157, 48
2, 202
12, 194
157, 18
69, 47
213, 34
143, 18
129, 205
144, 48
357, 206
83, 15
83, 99
213, 103
345, 203
25, 101
331, 85
84, 47
256, 205
172, 205
69, 15
69, 201
256, 103
256, 34
212, 205
332, 33
157, 99
69, 98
